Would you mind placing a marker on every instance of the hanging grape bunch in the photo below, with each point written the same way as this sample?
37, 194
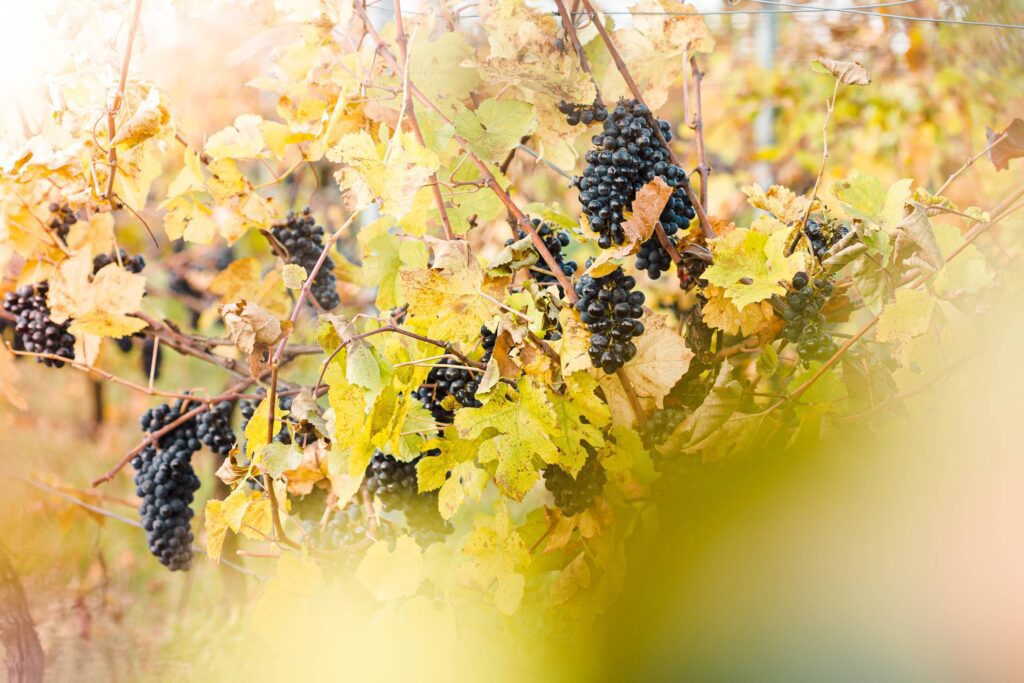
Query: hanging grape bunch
627, 154
133, 264
660, 425
447, 378
805, 322
396, 485
33, 330
555, 241
611, 310
304, 240
167, 484
574, 495
214, 428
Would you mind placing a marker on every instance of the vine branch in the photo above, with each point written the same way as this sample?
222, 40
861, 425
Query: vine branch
115, 106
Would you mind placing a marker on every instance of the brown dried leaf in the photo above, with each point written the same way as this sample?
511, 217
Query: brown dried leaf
1010, 147
847, 73
647, 207
252, 329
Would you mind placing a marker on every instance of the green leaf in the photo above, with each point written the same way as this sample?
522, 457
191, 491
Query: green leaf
496, 127
767, 362
578, 402
905, 318
277, 458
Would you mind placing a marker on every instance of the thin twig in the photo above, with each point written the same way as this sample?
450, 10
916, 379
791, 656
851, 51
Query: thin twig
402, 40
634, 402
115, 106
698, 128
970, 162
570, 30
830, 105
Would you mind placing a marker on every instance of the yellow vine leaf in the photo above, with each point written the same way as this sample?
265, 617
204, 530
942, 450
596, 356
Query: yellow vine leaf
662, 357
494, 557
190, 220
148, 121
189, 178
451, 303
721, 313
751, 266
243, 140
495, 127
9, 378
580, 400
779, 201
524, 426
97, 305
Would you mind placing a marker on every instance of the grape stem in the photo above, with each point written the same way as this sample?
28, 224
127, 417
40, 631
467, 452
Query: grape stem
570, 30
698, 206
697, 125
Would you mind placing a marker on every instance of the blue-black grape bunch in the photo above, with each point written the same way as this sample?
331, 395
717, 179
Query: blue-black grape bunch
459, 382
304, 240
349, 526
214, 428
167, 484
823, 236
395, 484
627, 154
133, 264
555, 241
805, 321
62, 220
586, 114
576, 495
34, 332
611, 310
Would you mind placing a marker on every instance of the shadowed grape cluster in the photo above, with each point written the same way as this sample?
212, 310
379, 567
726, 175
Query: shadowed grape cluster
133, 264
447, 378
586, 114
611, 310
555, 241
214, 428
660, 425
627, 154
576, 495
167, 484
396, 486
33, 330
304, 240
805, 322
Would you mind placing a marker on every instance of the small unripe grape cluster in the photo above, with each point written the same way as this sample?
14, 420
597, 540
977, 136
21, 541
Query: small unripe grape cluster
576, 495
304, 240
611, 310
586, 114
33, 330
63, 219
459, 382
555, 241
805, 321
167, 484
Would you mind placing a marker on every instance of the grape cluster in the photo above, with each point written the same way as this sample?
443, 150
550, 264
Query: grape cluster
628, 154
611, 310
396, 485
660, 425
167, 484
586, 114
555, 241
350, 526
304, 240
805, 322
63, 219
133, 264
33, 330
459, 382
214, 428
823, 236
576, 495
